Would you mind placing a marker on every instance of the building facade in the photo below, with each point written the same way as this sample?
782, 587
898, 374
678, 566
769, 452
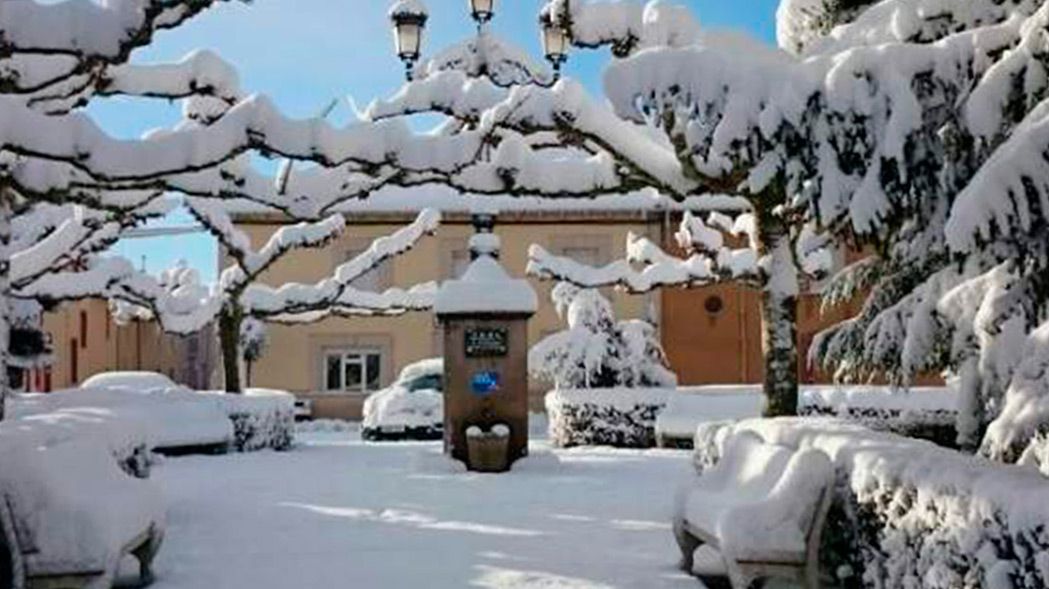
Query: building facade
711, 334
86, 341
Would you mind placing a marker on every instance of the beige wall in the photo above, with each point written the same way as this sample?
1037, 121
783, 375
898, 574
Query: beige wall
294, 354
67, 327
189, 360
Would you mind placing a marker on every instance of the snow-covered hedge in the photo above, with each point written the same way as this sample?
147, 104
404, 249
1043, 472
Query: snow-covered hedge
624, 418
262, 419
928, 413
922, 412
908, 513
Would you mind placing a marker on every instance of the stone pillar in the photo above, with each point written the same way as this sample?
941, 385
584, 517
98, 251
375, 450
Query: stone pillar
484, 316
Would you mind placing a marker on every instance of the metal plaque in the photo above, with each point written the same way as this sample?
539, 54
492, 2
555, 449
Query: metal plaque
487, 342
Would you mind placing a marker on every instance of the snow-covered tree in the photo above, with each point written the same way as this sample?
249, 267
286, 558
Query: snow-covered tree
57, 58
868, 126
942, 293
596, 351
679, 122
244, 293
252, 344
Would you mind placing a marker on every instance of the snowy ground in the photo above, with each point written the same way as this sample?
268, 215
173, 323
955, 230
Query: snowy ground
337, 512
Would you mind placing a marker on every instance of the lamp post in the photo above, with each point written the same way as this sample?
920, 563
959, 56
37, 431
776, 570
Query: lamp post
555, 42
489, 55
482, 11
409, 21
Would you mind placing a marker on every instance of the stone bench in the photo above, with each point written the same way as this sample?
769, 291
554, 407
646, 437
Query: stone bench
762, 507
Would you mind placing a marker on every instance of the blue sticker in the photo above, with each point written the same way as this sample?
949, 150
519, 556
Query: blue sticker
484, 383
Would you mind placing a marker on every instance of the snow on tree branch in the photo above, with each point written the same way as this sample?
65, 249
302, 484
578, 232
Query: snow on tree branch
337, 291
709, 262
625, 26
89, 30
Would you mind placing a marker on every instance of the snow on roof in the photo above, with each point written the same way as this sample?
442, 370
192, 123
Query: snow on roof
485, 287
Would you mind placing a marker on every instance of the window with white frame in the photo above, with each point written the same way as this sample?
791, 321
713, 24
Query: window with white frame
352, 371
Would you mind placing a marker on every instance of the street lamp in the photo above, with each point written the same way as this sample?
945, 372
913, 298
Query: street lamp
482, 10
555, 42
485, 56
409, 21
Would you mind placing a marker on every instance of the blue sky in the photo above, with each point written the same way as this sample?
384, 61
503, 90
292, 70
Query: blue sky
303, 53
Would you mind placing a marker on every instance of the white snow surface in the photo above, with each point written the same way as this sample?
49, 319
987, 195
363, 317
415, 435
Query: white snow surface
339, 511
485, 287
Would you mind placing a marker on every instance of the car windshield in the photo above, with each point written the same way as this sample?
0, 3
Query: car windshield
429, 382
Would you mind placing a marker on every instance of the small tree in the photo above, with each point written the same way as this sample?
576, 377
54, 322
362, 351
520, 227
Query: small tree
596, 351
253, 344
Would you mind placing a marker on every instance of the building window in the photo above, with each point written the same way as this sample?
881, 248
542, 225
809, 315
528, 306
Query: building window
375, 280
589, 255
352, 371
83, 329
458, 263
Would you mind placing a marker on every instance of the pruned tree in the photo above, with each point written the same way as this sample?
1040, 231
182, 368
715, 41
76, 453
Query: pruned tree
866, 130
57, 58
245, 295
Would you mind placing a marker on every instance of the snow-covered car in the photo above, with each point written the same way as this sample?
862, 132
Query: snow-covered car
141, 381
412, 408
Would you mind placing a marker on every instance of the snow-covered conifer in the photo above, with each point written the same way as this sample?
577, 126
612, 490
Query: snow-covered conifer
596, 351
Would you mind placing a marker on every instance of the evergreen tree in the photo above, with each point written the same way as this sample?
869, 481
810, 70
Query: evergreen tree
596, 351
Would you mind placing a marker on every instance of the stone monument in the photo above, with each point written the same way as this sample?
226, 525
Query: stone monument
484, 316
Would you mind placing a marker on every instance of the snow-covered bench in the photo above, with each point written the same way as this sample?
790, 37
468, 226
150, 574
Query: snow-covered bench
69, 515
762, 506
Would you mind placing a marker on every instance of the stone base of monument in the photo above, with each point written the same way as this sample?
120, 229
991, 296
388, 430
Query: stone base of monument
488, 451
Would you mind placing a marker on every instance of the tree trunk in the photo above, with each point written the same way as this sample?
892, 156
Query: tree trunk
779, 317
230, 320
5, 294
970, 420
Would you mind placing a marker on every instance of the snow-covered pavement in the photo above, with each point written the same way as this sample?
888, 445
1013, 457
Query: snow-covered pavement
337, 512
